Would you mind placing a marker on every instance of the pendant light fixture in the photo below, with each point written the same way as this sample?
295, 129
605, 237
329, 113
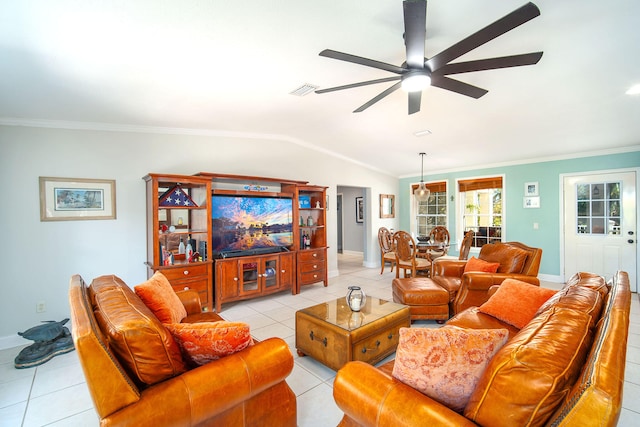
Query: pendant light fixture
422, 193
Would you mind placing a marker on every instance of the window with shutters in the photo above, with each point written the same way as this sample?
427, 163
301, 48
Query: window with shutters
432, 212
481, 209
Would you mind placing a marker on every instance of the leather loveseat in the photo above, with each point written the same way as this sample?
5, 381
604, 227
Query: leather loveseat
136, 379
517, 261
564, 368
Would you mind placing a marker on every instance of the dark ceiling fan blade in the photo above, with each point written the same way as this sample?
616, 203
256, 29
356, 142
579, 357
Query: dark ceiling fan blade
377, 98
415, 19
490, 64
488, 33
414, 101
362, 61
352, 85
457, 86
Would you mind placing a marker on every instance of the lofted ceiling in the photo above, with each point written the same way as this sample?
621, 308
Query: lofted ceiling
225, 67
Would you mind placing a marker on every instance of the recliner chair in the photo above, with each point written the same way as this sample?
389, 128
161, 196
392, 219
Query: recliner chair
517, 261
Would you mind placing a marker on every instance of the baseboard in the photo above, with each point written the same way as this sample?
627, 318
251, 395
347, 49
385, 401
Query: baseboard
550, 278
11, 341
352, 253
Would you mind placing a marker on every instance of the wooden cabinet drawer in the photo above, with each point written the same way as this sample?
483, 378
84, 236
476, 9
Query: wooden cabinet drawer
311, 255
185, 272
378, 346
307, 267
311, 277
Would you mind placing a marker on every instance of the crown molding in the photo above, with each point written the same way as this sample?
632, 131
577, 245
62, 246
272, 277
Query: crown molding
116, 127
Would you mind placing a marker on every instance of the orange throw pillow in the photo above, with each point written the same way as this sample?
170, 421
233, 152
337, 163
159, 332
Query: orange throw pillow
516, 302
446, 363
206, 341
475, 264
159, 296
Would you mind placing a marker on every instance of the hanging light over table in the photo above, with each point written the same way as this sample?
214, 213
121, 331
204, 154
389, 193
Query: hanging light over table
422, 193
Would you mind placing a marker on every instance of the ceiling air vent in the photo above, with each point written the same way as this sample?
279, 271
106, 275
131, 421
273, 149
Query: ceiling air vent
303, 90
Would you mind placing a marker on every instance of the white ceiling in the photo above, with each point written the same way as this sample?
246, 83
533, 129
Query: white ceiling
228, 66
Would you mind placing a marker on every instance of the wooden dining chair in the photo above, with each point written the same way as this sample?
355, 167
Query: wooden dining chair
387, 254
465, 247
406, 256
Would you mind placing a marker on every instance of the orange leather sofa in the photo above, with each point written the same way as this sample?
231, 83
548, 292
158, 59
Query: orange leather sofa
564, 368
247, 388
517, 261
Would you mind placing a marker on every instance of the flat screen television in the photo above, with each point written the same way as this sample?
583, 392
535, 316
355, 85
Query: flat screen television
245, 223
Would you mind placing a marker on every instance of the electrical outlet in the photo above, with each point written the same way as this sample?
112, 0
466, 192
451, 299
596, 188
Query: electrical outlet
41, 307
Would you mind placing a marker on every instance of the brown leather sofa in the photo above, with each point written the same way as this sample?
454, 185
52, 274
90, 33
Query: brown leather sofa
121, 344
517, 261
564, 368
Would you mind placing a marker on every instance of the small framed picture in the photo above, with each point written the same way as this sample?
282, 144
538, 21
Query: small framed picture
531, 189
359, 209
531, 202
65, 199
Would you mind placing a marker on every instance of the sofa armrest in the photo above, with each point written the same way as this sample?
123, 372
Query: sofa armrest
475, 280
203, 392
191, 301
448, 267
372, 398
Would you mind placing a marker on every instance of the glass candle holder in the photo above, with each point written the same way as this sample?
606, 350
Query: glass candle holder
356, 298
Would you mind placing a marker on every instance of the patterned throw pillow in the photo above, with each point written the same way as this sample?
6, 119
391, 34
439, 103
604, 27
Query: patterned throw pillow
203, 342
475, 264
446, 363
159, 296
516, 302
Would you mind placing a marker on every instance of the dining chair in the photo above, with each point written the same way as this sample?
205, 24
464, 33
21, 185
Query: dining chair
387, 254
465, 247
406, 255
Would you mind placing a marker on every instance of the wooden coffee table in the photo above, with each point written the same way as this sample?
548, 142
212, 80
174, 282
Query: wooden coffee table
333, 334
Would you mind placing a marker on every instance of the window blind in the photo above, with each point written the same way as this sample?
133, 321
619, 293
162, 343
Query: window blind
479, 183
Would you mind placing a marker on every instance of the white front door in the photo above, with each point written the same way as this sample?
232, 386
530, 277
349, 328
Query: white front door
600, 234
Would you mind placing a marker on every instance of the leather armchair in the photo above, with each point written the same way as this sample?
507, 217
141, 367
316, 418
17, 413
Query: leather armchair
247, 388
471, 289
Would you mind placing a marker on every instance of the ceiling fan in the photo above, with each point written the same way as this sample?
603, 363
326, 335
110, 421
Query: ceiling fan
418, 72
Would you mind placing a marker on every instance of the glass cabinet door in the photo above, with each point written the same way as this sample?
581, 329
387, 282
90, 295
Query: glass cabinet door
270, 274
249, 274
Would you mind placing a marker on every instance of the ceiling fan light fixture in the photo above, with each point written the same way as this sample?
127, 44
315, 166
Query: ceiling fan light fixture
416, 81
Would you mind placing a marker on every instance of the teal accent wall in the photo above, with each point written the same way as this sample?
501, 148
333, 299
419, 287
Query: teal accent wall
518, 220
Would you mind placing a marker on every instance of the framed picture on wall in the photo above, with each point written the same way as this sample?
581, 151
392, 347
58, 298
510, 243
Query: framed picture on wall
359, 209
65, 199
531, 189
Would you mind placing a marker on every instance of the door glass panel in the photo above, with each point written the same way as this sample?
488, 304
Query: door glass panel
249, 276
598, 208
270, 276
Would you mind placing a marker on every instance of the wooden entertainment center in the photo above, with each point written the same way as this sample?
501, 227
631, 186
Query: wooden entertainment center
236, 275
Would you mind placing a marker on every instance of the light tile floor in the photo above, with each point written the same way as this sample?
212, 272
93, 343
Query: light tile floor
55, 393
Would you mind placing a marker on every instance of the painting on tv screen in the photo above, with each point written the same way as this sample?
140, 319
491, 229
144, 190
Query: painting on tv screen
249, 222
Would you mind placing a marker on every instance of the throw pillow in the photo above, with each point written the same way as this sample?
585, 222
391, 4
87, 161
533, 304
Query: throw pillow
203, 342
145, 348
159, 296
446, 363
516, 302
475, 264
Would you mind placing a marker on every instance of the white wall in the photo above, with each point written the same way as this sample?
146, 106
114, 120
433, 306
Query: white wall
352, 231
38, 258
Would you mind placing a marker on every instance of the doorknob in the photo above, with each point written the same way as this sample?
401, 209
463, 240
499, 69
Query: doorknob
630, 233
630, 241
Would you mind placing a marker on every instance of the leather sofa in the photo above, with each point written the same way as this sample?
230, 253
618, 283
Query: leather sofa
116, 338
564, 368
470, 289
